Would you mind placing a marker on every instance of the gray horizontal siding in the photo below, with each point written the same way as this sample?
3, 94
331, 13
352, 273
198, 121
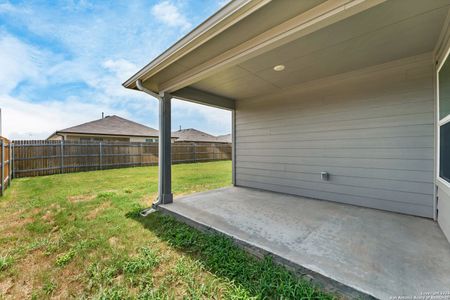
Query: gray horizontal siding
412, 209
350, 171
374, 153
374, 134
344, 180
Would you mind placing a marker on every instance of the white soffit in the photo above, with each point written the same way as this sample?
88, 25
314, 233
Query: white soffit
389, 31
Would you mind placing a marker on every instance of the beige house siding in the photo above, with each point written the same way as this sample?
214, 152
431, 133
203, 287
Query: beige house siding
55, 138
372, 130
139, 139
91, 137
106, 138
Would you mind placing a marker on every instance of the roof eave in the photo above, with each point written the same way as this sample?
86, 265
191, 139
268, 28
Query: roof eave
106, 134
227, 16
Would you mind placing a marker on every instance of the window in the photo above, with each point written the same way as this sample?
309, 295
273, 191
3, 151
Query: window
444, 157
154, 140
444, 121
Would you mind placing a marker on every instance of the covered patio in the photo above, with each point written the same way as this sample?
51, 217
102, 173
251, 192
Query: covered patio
341, 114
356, 251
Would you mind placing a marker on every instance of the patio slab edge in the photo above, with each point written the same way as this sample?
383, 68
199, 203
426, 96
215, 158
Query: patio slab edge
326, 283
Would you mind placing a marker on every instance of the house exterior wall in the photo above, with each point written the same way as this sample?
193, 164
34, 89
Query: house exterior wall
105, 138
372, 130
444, 207
138, 139
93, 137
443, 187
55, 138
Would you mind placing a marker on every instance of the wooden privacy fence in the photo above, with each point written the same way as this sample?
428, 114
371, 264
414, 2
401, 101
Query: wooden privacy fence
5, 164
42, 157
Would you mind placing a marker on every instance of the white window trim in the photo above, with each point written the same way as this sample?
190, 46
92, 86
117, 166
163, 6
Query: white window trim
440, 123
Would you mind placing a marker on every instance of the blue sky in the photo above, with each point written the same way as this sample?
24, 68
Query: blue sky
63, 62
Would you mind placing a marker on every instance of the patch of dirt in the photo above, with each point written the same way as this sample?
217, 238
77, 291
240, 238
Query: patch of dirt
146, 201
96, 211
70, 283
14, 223
113, 241
80, 198
26, 280
48, 216
5, 286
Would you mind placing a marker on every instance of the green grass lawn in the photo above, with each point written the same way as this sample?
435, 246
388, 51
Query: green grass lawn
80, 236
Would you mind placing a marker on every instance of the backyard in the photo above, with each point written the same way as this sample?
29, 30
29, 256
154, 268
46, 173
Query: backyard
80, 235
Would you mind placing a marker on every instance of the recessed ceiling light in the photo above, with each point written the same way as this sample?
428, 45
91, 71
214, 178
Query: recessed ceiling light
279, 68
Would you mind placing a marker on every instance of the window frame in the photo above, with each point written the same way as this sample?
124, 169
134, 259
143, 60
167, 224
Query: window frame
440, 122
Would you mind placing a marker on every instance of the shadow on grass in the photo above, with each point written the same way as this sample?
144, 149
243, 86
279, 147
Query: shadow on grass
261, 278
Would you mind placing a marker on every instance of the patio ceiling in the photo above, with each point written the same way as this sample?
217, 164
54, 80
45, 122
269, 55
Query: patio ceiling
313, 39
384, 33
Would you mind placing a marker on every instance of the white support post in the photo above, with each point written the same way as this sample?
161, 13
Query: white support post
165, 153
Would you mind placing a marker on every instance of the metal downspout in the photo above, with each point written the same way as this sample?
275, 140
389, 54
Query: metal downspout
158, 201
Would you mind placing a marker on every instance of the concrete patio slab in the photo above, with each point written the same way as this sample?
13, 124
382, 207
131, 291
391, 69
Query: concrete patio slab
378, 253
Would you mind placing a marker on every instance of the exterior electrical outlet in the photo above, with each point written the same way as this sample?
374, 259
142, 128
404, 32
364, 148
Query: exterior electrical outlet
325, 176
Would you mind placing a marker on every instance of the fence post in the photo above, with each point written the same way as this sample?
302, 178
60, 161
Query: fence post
195, 152
12, 160
10, 164
100, 152
62, 156
141, 156
3, 167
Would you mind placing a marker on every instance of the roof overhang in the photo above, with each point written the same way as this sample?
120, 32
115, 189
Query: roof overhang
101, 134
229, 15
217, 55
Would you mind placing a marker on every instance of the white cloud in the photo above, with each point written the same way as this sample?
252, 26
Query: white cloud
120, 67
213, 120
18, 62
7, 7
100, 49
169, 14
26, 120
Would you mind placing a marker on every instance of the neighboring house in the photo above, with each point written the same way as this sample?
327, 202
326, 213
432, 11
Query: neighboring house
109, 128
226, 138
117, 129
194, 135
345, 101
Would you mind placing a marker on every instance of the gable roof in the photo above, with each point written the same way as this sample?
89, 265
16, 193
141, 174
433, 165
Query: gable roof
226, 138
230, 14
112, 125
193, 135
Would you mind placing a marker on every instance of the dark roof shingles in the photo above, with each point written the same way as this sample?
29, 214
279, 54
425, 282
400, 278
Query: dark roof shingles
112, 125
194, 135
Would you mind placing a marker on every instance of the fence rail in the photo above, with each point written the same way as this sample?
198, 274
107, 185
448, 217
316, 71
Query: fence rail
41, 157
5, 164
